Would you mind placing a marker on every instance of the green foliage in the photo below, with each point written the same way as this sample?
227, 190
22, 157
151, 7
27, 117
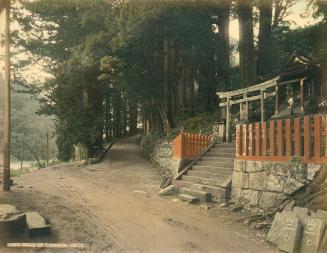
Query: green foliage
202, 123
18, 173
118, 59
153, 61
148, 143
24, 119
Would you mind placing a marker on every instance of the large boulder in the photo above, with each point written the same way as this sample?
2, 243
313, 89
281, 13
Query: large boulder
11, 220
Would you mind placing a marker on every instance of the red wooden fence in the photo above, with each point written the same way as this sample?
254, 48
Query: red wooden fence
279, 140
188, 146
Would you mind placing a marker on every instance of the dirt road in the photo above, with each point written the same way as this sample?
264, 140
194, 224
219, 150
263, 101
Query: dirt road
113, 207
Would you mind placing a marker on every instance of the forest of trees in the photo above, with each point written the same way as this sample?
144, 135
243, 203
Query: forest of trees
115, 64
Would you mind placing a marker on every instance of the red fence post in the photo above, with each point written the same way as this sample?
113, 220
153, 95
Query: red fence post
288, 138
179, 146
245, 140
297, 137
257, 139
280, 138
251, 140
272, 138
264, 138
307, 138
317, 134
183, 145
238, 140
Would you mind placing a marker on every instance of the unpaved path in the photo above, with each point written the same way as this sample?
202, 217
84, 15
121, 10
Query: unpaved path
113, 207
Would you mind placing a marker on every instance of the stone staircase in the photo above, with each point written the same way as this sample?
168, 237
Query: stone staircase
209, 178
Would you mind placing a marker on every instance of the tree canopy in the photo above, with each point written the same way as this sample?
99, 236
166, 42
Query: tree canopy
114, 65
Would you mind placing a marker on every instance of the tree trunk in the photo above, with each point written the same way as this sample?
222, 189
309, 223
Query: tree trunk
264, 44
246, 47
223, 25
164, 119
35, 155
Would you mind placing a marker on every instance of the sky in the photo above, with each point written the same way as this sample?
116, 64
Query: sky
298, 10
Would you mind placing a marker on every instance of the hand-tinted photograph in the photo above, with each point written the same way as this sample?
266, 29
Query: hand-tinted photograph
163, 126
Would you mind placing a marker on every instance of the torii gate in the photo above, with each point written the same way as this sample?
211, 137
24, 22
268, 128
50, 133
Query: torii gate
5, 87
260, 92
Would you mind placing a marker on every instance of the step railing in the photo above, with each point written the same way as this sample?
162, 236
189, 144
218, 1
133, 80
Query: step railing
189, 146
280, 140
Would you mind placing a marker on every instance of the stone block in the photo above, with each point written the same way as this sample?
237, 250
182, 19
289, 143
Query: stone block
36, 224
289, 206
236, 193
11, 220
239, 165
254, 166
291, 185
275, 183
281, 169
250, 197
268, 167
323, 245
320, 214
227, 182
240, 180
285, 232
273, 234
270, 200
298, 171
6, 211
313, 230
258, 181
301, 212
313, 169
168, 191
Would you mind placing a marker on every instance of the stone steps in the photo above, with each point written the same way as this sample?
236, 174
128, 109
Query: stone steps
188, 198
217, 194
222, 155
209, 179
204, 174
224, 145
215, 163
212, 169
202, 180
223, 150
217, 159
201, 195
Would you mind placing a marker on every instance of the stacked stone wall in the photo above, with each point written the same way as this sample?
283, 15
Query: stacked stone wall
162, 156
265, 185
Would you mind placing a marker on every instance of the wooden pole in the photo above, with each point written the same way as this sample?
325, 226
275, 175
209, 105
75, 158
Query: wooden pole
277, 100
47, 161
302, 94
263, 111
6, 92
228, 121
22, 152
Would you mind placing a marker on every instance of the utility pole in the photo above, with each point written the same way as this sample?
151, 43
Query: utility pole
22, 152
6, 96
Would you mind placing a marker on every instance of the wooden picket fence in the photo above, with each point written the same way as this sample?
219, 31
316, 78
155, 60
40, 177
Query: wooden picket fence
189, 146
279, 140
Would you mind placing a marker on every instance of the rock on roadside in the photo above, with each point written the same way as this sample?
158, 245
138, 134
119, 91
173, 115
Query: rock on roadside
168, 191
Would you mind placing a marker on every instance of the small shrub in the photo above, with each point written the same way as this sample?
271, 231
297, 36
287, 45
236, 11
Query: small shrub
148, 143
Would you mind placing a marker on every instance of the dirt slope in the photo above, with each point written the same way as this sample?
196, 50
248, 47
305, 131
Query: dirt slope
113, 207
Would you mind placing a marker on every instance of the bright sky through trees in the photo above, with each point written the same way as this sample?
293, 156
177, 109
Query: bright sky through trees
300, 16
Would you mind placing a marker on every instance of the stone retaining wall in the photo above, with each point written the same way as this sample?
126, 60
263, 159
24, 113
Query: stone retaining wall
162, 156
264, 185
